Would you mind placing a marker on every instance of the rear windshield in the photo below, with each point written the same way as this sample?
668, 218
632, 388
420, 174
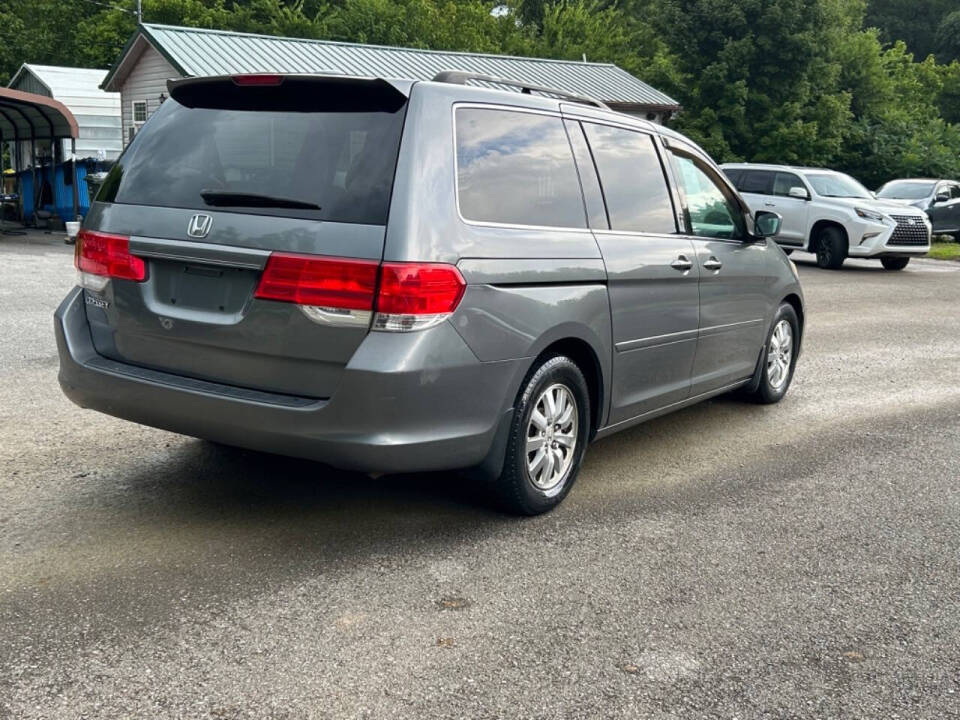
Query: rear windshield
335, 165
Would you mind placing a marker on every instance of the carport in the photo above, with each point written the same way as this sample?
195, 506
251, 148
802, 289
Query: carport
29, 118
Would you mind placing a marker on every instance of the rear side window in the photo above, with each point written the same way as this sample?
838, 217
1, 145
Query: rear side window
335, 165
516, 168
759, 182
734, 176
632, 179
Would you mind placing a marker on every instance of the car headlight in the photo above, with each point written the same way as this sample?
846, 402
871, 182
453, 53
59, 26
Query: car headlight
869, 214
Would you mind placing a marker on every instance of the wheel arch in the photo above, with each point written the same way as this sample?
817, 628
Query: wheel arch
585, 357
794, 300
822, 224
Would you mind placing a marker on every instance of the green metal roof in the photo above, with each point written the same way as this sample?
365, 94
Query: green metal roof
199, 52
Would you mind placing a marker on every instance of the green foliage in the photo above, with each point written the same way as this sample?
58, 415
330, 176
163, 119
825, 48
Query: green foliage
915, 22
793, 81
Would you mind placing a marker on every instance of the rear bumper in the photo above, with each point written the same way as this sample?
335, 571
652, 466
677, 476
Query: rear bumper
406, 402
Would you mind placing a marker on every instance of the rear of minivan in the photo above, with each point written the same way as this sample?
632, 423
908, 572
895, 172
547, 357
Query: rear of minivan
233, 284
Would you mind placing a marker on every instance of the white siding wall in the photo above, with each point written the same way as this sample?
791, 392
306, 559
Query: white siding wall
146, 81
97, 112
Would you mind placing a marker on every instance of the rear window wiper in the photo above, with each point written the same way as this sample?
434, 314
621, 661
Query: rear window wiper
223, 198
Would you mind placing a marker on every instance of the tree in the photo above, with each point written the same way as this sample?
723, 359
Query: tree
947, 39
912, 21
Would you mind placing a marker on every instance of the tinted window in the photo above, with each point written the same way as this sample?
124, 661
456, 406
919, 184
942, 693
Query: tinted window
592, 194
785, 181
632, 180
711, 214
343, 162
759, 182
955, 191
734, 176
516, 168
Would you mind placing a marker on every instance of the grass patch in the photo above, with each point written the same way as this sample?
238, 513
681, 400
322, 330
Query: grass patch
945, 251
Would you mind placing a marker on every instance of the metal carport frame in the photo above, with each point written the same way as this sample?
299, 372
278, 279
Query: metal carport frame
27, 116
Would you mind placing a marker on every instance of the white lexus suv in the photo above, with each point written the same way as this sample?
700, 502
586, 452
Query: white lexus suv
832, 215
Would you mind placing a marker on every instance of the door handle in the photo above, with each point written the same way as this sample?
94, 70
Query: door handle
713, 264
770, 204
682, 264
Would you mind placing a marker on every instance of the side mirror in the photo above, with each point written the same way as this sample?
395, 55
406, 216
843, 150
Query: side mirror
799, 193
766, 224
943, 196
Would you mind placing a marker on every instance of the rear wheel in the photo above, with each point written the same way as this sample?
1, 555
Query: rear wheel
894, 263
548, 437
779, 357
831, 248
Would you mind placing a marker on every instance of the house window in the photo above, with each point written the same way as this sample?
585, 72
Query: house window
140, 112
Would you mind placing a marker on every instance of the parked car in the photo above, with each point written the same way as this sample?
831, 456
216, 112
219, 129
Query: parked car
391, 276
940, 199
832, 215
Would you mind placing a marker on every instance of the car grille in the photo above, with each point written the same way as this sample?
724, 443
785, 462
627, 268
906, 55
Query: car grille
907, 233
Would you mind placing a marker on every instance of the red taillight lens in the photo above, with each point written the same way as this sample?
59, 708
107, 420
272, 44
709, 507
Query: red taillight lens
100, 253
319, 281
261, 79
419, 288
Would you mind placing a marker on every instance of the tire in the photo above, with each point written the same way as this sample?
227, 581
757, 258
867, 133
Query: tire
774, 385
831, 248
522, 492
894, 263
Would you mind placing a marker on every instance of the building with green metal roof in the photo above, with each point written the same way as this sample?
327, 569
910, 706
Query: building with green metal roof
156, 53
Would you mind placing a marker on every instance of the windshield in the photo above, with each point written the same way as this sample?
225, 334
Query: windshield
837, 185
324, 165
907, 189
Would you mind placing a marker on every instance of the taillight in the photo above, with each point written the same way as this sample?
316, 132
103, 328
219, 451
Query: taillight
343, 291
318, 281
414, 296
107, 255
258, 79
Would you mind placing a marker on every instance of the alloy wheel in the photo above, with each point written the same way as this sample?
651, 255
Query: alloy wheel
780, 354
552, 437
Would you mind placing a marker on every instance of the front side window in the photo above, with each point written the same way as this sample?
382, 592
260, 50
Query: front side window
711, 213
954, 192
516, 168
785, 182
632, 180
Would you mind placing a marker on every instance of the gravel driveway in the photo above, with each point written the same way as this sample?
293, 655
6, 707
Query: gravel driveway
728, 561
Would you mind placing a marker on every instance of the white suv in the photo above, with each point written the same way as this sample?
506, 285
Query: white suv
831, 214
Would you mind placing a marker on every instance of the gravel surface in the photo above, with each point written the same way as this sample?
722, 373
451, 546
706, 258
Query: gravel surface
728, 561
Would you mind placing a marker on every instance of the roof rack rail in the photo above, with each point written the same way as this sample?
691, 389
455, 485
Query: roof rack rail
460, 77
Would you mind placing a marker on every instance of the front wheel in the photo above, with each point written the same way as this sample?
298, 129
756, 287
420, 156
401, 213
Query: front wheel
779, 357
831, 248
548, 438
894, 263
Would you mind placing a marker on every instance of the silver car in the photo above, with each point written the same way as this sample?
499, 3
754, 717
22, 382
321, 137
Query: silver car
395, 276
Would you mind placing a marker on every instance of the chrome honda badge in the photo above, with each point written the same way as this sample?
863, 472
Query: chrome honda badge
199, 225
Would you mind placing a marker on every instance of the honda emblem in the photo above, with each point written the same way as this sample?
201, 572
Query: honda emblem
199, 225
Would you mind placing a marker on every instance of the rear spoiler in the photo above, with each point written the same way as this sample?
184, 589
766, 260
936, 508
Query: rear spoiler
291, 92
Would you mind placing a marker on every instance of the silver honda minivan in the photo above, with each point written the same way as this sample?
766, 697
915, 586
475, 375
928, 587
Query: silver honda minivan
395, 276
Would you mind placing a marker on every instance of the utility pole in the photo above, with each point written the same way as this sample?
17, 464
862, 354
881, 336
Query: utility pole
139, 12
